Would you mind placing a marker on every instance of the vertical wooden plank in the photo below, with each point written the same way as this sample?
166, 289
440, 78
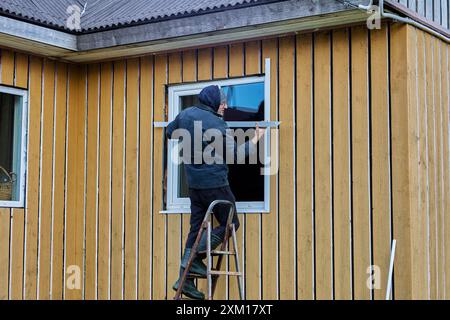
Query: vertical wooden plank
5, 221
159, 274
305, 222
59, 193
189, 65
18, 215
21, 73
204, 64
439, 167
270, 221
252, 58
104, 182
322, 174
75, 178
431, 166
380, 157
118, 165
45, 209
174, 231
287, 165
131, 178
360, 161
446, 130
400, 154
423, 156
220, 62
236, 59
91, 181
31, 213
417, 218
7, 70
145, 173
341, 165
252, 221
17, 244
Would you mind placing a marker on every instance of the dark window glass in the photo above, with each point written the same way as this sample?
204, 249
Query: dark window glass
245, 103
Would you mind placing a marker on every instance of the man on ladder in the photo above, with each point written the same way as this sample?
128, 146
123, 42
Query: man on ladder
207, 182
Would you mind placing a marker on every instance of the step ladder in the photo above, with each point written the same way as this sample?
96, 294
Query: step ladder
213, 273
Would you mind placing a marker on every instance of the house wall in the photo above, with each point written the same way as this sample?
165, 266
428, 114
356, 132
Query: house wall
364, 158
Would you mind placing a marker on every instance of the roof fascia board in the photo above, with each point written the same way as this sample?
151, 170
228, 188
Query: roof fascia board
207, 39
46, 37
211, 22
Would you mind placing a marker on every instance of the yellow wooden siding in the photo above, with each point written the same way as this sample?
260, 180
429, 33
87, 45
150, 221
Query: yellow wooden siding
5, 222
305, 173
59, 179
45, 208
381, 215
341, 166
159, 274
32, 196
104, 183
75, 184
145, 185
131, 179
93, 82
364, 145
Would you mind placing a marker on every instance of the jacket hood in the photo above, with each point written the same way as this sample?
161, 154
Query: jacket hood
210, 96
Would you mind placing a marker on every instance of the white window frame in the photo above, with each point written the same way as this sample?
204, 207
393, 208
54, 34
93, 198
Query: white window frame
20, 110
182, 205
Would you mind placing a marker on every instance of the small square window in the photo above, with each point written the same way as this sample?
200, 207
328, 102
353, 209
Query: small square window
13, 113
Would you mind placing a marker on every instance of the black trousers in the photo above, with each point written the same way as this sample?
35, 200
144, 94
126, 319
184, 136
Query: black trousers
200, 201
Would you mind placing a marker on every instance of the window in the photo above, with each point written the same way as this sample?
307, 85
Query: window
13, 114
248, 103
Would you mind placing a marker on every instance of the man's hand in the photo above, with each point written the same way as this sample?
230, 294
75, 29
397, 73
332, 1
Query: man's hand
259, 133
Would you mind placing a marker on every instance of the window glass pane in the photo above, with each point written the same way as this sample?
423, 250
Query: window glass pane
245, 97
10, 144
245, 103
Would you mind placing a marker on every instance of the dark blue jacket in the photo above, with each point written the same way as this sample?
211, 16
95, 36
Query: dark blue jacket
202, 175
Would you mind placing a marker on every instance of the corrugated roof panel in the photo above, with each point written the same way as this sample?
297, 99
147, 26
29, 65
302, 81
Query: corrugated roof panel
49, 12
109, 13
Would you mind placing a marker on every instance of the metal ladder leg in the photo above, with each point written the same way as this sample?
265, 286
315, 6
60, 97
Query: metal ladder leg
209, 262
236, 258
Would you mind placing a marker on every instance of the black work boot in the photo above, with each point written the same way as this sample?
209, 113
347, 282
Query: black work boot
197, 268
189, 288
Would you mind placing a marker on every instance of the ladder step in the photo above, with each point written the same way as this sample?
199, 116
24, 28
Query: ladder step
222, 253
229, 273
